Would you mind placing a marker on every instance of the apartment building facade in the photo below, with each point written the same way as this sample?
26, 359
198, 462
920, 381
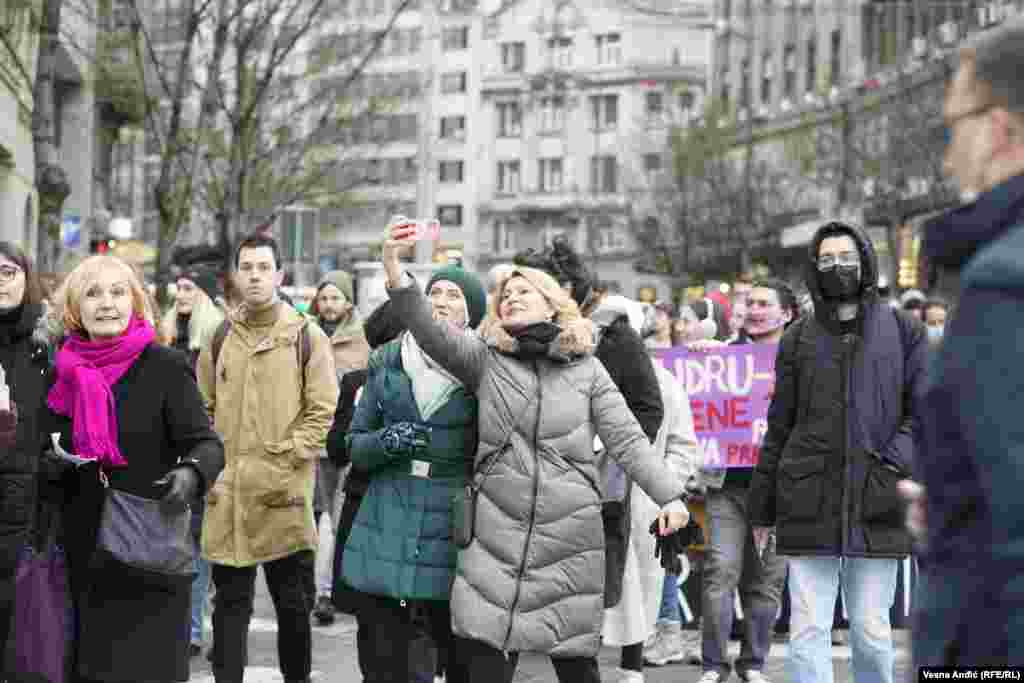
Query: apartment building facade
577, 101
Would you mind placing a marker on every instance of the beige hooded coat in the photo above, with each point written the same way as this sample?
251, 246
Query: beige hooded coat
261, 506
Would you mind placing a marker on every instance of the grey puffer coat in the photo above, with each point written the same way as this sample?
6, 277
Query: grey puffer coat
532, 580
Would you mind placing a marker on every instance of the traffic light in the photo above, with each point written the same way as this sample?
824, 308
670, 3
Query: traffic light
101, 245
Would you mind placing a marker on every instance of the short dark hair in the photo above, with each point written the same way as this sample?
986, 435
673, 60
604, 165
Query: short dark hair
33, 290
786, 294
935, 302
255, 241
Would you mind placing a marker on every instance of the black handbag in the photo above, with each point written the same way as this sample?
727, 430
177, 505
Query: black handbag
464, 499
143, 534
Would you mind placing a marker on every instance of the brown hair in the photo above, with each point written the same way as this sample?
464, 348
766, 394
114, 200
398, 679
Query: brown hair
68, 296
33, 290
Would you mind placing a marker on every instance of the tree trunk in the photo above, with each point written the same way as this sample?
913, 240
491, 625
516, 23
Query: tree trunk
51, 180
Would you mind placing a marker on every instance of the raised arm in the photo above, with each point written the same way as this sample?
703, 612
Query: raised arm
463, 354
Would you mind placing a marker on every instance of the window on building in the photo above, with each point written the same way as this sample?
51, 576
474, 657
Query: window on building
453, 127
654, 103
812, 65
603, 174
450, 171
789, 85
552, 114
513, 57
454, 82
652, 165
508, 177
835, 59
604, 236
609, 48
549, 176
450, 214
510, 119
560, 49
504, 236
767, 76
454, 38
604, 111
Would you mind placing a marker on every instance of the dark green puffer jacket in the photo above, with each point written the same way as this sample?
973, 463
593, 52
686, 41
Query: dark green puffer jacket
401, 545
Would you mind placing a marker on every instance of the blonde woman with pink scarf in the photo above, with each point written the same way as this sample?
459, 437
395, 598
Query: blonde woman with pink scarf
132, 408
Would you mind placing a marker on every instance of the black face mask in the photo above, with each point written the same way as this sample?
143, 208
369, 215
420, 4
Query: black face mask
841, 283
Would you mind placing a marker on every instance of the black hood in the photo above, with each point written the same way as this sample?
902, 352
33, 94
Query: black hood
825, 309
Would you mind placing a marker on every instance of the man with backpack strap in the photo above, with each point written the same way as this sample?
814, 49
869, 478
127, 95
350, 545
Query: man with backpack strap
843, 429
269, 383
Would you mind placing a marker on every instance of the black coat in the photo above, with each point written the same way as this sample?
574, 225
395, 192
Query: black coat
346, 599
843, 427
624, 356
25, 361
132, 629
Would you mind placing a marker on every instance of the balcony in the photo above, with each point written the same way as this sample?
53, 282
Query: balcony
568, 198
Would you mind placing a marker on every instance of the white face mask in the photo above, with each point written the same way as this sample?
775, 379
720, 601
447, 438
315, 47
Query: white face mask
935, 332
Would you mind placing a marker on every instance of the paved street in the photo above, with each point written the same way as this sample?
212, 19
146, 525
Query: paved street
334, 657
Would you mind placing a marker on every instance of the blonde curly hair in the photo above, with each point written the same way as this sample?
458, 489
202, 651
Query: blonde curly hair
67, 298
577, 336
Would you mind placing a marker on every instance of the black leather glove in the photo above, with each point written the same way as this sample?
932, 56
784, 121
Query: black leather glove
405, 439
182, 486
8, 427
670, 547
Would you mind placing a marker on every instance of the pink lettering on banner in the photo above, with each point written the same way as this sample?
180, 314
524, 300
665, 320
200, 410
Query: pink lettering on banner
730, 390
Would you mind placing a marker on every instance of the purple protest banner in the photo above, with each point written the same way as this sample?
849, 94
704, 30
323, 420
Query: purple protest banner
730, 389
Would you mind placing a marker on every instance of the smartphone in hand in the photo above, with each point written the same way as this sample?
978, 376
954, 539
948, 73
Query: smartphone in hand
428, 229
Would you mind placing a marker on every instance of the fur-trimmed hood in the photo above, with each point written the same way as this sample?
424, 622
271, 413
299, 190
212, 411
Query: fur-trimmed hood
577, 339
49, 329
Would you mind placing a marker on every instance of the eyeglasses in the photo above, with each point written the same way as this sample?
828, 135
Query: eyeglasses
8, 273
846, 258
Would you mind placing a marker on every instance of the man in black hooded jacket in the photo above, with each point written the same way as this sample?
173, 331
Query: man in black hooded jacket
842, 430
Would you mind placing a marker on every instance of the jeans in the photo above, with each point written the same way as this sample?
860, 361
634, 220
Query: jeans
200, 589
485, 663
668, 613
732, 562
290, 582
325, 497
869, 588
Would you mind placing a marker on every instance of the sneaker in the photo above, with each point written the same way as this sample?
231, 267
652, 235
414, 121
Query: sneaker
710, 677
692, 648
627, 676
668, 649
324, 611
655, 637
754, 676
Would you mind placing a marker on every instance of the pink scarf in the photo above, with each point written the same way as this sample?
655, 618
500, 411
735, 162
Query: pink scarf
85, 372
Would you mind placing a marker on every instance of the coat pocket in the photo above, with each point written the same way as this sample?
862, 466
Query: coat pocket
276, 508
800, 488
881, 500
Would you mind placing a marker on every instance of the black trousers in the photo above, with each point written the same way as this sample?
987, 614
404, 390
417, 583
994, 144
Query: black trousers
291, 585
485, 664
402, 642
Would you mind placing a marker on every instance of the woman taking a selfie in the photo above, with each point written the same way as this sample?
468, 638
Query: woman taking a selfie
131, 408
530, 574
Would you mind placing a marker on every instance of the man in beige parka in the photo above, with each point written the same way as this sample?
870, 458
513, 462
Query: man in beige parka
269, 385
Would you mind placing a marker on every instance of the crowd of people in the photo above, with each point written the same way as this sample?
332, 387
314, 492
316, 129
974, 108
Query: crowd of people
507, 467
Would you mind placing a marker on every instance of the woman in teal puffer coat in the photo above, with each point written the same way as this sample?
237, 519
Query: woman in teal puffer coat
414, 432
